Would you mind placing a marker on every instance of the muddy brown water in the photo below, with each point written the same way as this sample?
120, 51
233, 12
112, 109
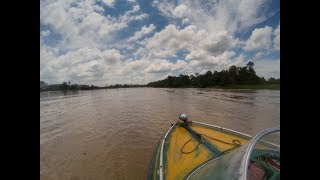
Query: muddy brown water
111, 133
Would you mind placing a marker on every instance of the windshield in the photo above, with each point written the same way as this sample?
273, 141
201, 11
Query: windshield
257, 159
264, 161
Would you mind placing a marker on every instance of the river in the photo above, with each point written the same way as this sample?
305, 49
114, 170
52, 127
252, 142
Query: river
111, 133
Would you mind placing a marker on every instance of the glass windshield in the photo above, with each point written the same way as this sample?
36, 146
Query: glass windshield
258, 159
264, 162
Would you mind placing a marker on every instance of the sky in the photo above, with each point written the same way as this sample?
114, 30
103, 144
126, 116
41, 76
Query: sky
110, 42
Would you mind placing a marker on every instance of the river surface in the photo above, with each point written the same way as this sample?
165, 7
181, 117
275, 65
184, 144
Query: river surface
111, 133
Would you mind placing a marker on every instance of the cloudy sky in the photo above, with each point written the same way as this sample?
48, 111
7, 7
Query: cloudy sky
137, 41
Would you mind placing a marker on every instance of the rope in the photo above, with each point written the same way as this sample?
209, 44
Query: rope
235, 142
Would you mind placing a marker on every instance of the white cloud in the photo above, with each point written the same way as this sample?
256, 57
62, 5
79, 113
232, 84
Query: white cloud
180, 65
45, 33
155, 3
230, 15
163, 66
205, 50
185, 21
202, 31
171, 39
136, 8
218, 43
47, 54
82, 23
109, 3
267, 68
259, 39
111, 56
82, 65
135, 18
144, 31
132, 66
201, 59
180, 10
259, 54
276, 39
159, 66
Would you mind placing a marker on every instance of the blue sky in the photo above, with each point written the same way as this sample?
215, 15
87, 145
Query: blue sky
137, 41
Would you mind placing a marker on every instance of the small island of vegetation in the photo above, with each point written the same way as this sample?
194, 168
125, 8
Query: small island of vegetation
233, 78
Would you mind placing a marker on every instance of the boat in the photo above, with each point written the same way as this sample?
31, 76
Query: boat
195, 150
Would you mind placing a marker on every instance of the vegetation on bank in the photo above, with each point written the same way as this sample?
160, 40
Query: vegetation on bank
250, 86
68, 86
233, 78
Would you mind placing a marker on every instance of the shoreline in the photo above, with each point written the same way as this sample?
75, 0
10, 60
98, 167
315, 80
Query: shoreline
236, 86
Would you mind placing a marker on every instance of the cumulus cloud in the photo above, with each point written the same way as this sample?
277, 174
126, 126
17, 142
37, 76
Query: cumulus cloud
259, 39
45, 33
91, 46
180, 10
227, 15
144, 31
201, 59
218, 43
81, 65
82, 23
47, 54
171, 39
276, 39
185, 21
205, 50
163, 66
132, 66
267, 68
111, 56
259, 54
108, 2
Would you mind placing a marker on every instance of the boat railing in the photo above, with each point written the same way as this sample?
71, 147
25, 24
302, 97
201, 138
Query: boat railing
248, 151
161, 151
222, 129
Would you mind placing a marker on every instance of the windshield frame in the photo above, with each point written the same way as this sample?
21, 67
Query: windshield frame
252, 143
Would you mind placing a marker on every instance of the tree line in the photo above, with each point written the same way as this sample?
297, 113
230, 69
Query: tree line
233, 76
68, 86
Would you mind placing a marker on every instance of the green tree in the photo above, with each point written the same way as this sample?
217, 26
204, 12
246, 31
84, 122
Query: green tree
233, 74
250, 65
64, 86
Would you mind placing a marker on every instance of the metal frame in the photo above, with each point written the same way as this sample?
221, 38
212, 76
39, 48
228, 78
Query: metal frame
222, 129
246, 156
161, 152
237, 133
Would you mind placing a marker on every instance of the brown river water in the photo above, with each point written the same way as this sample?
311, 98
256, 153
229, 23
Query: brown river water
111, 133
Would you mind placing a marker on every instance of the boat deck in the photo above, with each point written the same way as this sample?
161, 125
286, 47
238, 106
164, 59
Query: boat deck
183, 152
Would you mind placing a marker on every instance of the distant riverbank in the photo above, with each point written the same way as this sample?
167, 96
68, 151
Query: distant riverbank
233, 78
250, 86
235, 86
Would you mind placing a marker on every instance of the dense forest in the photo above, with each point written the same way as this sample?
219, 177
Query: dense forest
69, 86
232, 77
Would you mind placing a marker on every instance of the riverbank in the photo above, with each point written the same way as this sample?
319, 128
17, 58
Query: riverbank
249, 86
233, 86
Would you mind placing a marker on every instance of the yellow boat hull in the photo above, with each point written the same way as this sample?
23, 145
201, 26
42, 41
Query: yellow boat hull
184, 151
